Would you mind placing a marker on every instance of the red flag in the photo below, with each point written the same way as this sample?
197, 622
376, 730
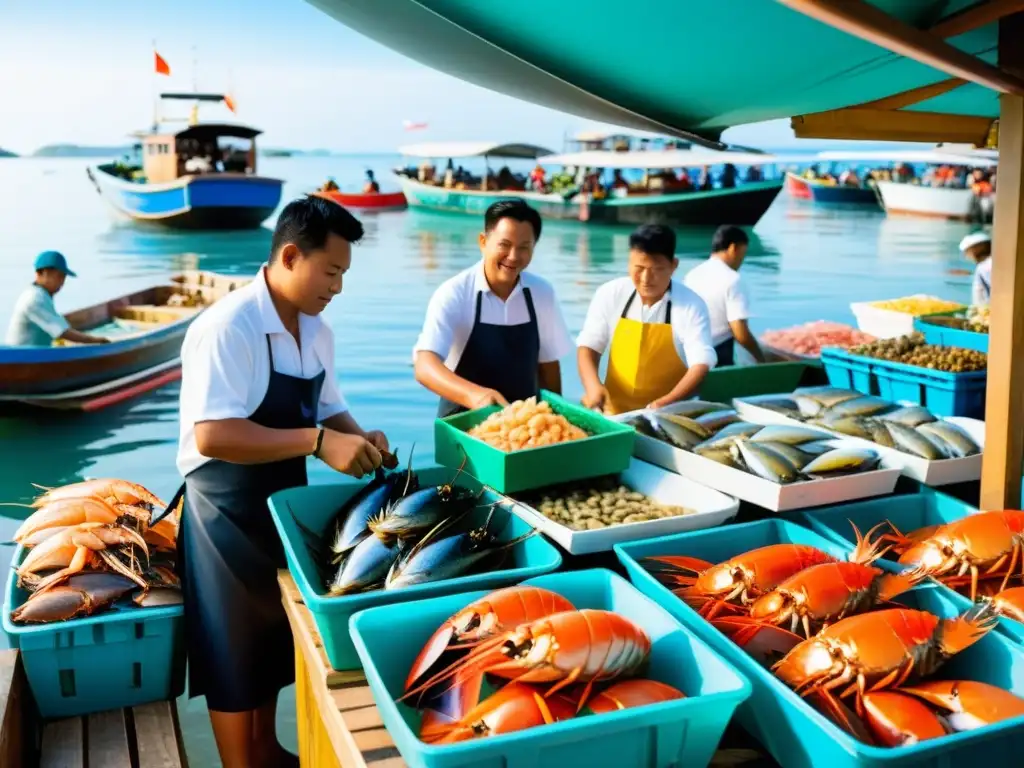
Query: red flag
229, 103
162, 67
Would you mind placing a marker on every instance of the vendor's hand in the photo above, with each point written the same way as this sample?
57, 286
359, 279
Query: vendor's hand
378, 440
595, 398
350, 454
661, 402
488, 397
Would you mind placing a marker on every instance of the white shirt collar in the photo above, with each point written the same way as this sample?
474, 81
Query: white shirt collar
480, 282
269, 319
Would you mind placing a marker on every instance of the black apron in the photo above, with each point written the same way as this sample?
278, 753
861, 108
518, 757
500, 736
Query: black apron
240, 650
725, 353
500, 357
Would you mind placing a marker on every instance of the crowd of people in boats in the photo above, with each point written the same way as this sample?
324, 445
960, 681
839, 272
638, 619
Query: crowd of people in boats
979, 180
194, 156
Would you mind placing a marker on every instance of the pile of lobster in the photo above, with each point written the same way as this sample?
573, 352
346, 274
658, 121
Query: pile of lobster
555, 663
91, 544
828, 629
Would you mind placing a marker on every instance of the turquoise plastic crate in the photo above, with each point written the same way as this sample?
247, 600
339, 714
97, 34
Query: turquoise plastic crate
685, 732
315, 506
944, 394
119, 658
950, 337
796, 734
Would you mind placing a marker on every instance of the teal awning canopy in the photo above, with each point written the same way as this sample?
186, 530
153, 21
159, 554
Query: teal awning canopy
683, 67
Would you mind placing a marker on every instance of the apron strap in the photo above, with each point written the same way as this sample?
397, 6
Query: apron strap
270, 354
629, 303
528, 297
479, 304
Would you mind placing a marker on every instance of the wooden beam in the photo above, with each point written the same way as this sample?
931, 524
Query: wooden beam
888, 125
914, 95
860, 19
1003, 462
976, 16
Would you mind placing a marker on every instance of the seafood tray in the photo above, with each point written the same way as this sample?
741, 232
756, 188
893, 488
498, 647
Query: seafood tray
938, 472
119, 658
605, 452
943, 393
710, 507
757, 490
950, 337
886, 323
315, 506
672, 733
797, 735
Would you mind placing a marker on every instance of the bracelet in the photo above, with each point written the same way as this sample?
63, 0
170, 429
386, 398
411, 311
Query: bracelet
319, 442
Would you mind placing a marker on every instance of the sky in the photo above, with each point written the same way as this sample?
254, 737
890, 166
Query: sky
77, 71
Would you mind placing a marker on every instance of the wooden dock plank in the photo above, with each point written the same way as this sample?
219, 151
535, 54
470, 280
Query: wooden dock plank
159, 736
107, 737
362, 718
17, 727
63, 744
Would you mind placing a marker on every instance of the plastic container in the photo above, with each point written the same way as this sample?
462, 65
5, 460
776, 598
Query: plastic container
950, 337
723, 384
605, 452
315, 507
684, 732
944, 394
794, 733
886, 323
710, 507
119, 658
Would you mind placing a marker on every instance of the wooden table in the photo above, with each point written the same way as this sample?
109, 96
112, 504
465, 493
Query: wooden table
339, 724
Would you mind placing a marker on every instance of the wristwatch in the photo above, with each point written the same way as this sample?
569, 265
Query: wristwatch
319, 443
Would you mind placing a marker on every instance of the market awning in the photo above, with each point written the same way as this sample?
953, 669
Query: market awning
671, 158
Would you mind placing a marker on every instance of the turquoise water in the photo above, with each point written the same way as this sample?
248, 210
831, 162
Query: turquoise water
807, 263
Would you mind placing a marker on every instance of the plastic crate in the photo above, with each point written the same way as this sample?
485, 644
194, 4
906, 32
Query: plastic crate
119, 658
683, 732
848, 372
792, 731
605, 452
950, 337
723, 384
315, 506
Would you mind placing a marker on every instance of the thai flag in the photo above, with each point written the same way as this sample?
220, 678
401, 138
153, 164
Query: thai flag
409, 125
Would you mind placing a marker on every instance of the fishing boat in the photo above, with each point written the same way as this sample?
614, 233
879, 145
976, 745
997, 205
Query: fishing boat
146, 329
649, 200
828, 191
370, 201
202, 177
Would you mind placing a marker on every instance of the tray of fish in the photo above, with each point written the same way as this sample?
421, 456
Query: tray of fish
644, 501
398, 537
932, 450
779, 468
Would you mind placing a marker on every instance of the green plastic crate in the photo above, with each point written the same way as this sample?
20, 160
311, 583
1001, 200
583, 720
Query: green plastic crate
606, 452
723, 385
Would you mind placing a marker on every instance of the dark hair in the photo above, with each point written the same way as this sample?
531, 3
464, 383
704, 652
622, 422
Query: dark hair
727, 235
310, 220
513, 208
654, 240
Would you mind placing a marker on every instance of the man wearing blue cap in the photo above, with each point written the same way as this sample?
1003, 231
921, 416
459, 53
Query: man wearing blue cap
36, 321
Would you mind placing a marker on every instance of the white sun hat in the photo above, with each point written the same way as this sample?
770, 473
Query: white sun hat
975, 238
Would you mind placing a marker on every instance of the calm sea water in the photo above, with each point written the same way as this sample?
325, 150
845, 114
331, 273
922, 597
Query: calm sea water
807, 263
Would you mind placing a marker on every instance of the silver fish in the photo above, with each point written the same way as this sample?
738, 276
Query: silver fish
909, 440
687, 423
693, 408
818, 447
766, 463
808, 406
795, 456
866, 405
911, 416
783, 405
791, 435
677, 435
715, 420
722, 456
365, 567
879, 434
728, 435
951, 437
845, 459
827, 396
847, 425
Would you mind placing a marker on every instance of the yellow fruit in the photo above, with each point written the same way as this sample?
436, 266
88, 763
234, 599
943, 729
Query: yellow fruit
917, 306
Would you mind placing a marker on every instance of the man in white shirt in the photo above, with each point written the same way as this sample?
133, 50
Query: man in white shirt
977, 247
494, 333
656, 332
718, 282
36, 321
257, 380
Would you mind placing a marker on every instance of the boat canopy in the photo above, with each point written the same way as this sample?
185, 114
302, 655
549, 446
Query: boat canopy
211, 97
455, 149
923, 156
655, 158
214, 130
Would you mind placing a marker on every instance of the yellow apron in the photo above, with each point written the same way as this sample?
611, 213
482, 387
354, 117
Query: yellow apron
643, 364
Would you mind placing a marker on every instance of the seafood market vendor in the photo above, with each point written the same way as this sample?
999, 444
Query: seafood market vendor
258, 397
36, 321
494, 333
977, 247
719, 283
656, 331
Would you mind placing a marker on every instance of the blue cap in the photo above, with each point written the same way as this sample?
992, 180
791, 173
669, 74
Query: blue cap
53, 260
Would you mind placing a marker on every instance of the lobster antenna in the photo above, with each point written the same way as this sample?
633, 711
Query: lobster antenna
408, 470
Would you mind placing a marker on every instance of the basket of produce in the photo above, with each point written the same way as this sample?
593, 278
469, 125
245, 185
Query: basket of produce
968, 330
532, 443
895, 317
778, 468
587, 516
93, 603
805, 341
645, 691
399, 537
948, 380
933, 450
806, 622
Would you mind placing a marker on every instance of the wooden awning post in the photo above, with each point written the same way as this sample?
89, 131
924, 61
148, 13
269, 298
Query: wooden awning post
1004, 412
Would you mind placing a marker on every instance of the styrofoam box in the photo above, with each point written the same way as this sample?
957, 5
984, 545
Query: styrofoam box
940, 472
710, 507
886, 323
764, 493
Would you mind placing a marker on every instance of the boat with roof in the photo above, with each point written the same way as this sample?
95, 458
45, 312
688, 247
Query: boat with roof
202, 177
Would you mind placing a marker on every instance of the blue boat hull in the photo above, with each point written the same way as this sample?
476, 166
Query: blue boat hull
843, 195
211, 201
